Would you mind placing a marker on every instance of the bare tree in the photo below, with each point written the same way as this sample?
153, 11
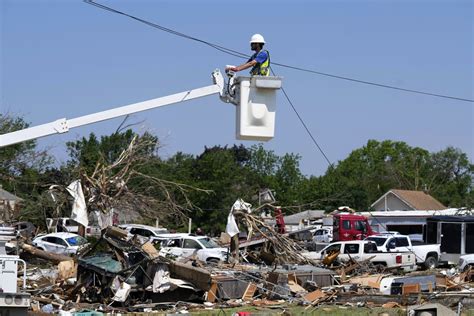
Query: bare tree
108, 186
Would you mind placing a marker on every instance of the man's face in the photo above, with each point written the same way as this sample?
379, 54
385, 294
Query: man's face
253, 46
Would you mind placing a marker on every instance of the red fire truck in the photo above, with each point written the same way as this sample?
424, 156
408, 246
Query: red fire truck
347, 226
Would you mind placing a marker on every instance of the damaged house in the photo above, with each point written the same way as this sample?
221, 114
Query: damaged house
9, 205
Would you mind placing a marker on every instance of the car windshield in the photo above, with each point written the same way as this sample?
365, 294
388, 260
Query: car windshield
208, 242
76, 241
377, 240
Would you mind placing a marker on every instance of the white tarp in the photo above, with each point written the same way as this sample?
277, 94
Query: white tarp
105, 219
121, 290
161, 281
232, 229
79, 209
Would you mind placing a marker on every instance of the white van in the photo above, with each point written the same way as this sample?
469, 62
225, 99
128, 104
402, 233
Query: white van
71, 226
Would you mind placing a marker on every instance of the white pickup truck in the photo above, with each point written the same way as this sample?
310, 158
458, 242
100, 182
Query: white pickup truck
465, 262
427, 255
360, 250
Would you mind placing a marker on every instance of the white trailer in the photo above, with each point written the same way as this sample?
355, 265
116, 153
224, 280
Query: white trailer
12, 301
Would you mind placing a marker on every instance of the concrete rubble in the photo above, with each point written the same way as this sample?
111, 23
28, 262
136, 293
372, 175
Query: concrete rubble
120, 274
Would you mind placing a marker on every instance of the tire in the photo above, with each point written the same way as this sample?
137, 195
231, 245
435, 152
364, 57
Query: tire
214, 261
379, 267
431, 263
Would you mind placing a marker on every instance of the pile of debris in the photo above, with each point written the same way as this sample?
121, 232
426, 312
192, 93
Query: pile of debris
122, 274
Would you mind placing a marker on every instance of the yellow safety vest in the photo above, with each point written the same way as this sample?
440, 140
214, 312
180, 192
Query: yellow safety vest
262, 69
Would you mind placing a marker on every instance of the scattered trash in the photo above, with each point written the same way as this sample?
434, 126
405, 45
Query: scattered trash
120, 274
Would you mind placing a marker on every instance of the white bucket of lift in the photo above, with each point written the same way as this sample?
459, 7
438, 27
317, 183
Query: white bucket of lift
255, 114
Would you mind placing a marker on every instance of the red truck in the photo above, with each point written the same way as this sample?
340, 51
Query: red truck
350, 227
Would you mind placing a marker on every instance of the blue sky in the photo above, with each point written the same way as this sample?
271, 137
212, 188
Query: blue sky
67, 59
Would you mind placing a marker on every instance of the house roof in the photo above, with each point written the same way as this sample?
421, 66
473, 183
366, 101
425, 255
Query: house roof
295, 219
5, 195
418, 200
420, 213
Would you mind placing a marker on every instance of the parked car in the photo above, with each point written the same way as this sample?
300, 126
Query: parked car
60, 243
466, 261
361, 250
323, 235
148, 232
185, 245
426, 255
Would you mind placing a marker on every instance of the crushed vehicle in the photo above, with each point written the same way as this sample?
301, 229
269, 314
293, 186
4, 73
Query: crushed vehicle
427, 255
186, 245
60, 243
127, 272
362, 250
25, 229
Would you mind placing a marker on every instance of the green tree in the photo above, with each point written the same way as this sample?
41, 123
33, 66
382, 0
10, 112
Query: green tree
23, 168
450, 178
223, 171
21, 158
87, 152
372, 170
279, 173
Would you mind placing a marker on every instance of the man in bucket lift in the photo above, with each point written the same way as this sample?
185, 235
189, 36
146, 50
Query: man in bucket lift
260, 61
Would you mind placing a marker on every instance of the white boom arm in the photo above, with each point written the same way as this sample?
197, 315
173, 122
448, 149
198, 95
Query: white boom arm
254, 97
64, 125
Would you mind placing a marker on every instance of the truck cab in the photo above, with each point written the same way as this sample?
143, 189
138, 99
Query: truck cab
426, 255
361, 250
350, 227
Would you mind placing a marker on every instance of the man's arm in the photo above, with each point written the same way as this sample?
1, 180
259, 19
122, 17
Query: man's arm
244, 66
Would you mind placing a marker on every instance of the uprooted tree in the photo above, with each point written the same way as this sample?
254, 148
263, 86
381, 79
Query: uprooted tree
121, 172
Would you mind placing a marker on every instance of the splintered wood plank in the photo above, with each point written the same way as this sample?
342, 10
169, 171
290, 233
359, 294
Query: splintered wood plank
410, 288
295, 287
212, 293
312, 296
249, 292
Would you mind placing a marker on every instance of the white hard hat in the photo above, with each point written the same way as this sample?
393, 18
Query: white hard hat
257, 38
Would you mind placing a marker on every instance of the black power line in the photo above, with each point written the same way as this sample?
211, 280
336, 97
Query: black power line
304, 124
222, 49
372, 83
242, 55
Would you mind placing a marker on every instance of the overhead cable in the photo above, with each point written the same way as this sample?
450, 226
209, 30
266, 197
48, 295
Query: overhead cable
304, 124
223, 49
243, 55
